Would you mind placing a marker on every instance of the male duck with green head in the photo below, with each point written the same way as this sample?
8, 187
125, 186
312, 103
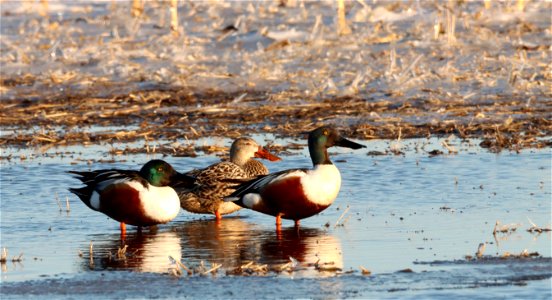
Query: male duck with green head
296, 194
143, 198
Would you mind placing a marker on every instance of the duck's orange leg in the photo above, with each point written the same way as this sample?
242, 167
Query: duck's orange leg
278, 224
218, 216
297, 223
123, 230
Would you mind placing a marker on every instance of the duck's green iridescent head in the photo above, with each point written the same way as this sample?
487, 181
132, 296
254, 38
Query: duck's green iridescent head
324, 137
159, 173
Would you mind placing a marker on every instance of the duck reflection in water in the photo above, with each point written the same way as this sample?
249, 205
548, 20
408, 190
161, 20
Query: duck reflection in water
145, 251
231, 243
236, 242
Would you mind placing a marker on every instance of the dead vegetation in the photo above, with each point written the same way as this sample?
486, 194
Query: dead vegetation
510, 228
537, 229
506, 255
253, 268
383, 70
173, 115
4, 257
480, 254
506, 230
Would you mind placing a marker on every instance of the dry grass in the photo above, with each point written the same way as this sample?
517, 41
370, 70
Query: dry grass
479, 255
365, 271
537, 229
414, 69
337, 223
252, 268
172, 115
4, 257
504, 228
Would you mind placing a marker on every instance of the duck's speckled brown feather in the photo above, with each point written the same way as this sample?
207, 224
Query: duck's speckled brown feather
254, 168
208, 198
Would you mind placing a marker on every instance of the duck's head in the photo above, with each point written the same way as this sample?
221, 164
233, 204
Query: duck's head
244, 148
160, 173
323, 138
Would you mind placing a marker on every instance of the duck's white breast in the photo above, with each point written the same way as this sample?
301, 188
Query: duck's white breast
159, 203
321, 184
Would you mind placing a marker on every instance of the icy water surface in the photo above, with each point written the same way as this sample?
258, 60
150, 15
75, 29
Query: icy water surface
410, 219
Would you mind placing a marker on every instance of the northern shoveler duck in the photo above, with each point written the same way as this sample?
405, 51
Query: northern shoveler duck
296, 194
208, 198
139, 198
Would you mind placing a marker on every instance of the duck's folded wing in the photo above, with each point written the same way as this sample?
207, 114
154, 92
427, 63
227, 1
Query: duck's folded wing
97, 181
217, 180
257, 184
100, 177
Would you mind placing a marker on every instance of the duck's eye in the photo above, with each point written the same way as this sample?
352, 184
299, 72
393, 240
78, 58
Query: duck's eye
326, 132
160, 169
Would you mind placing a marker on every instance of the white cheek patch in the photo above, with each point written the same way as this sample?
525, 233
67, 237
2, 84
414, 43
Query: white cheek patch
250, 200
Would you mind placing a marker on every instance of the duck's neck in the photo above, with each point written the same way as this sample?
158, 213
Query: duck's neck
239, 160
319, 154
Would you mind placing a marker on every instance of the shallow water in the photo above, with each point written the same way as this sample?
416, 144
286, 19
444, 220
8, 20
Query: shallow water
395, 212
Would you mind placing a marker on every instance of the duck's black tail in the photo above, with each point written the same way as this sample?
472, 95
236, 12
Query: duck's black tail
84, 193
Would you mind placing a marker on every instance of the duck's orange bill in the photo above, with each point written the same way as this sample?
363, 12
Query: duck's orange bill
263, 153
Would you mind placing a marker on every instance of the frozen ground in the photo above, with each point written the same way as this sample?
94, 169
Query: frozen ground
397, 49
409, 69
